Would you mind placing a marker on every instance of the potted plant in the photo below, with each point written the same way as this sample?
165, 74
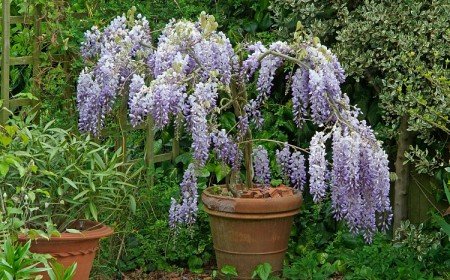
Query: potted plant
194, 75
58, 190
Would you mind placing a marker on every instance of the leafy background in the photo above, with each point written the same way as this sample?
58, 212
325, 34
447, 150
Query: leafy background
396, 55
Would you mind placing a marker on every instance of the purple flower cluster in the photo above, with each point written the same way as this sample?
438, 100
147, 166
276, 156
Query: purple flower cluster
317, 166
317, 85
283, 158
359, 177
209, 52
292, 166
298, 170
191, 64
300, 95
202, 101
186, 211
226, 149
261, 166
117, 51
91, 45
251, 64
268, 65
164, 97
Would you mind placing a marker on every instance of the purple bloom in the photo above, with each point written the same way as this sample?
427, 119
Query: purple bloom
226, 149
300, 95
242, 127
261, 166
186, 211
202, 101
139, 107
297, 169
317, 166
251, 64
116, 47
320, 109
253, 113
283, 160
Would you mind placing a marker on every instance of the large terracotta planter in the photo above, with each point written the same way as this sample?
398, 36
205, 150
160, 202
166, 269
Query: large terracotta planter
250, 231
72, 248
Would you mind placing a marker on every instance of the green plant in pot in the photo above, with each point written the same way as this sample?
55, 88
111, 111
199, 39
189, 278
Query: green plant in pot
59, 190
193, 75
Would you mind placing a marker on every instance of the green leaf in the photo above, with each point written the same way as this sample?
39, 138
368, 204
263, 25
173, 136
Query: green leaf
276, 182
195, 264
447, 192
443, 224
13, 210
81, 194
4, 168
229, 270
11, 129
184, 158
203, 173
99, 161
221, 171
263, 271
5, 140
70, 182
132, 203
93, 210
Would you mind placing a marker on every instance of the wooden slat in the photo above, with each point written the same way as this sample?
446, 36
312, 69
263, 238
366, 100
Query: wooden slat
21, 60
19, 19
6, 28
162, 157
14, 103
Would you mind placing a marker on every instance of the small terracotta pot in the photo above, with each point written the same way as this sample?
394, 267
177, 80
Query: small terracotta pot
250, 231
72, 248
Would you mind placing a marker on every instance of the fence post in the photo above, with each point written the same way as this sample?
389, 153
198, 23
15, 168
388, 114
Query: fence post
6, 13
36, 47
150, 150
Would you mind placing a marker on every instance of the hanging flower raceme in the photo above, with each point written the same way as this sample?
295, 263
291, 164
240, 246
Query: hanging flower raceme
261, 166
292, 167
116, 53
226, 149
186, 211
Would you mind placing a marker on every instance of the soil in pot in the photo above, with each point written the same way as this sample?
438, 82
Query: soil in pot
72, 248
253, 229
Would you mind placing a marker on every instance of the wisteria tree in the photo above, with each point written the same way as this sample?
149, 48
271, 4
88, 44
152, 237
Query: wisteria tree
193, 75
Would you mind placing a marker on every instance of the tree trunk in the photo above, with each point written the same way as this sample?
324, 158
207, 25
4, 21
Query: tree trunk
402, 170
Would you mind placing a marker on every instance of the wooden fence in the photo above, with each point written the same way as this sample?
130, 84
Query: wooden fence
9, 105
7, 61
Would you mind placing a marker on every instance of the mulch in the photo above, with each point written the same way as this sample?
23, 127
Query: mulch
162, 275
280, 191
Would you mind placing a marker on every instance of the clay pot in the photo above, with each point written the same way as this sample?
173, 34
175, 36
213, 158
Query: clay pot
72, 248
250, 231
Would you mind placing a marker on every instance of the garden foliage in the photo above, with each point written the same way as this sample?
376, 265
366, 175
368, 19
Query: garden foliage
395, 54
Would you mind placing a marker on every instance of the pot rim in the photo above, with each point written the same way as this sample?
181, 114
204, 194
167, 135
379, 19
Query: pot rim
251, 205
98, 230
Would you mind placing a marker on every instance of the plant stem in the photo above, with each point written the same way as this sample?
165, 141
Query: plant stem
236, 89
275, 141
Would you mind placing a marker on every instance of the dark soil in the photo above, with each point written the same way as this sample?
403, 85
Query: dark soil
162, 275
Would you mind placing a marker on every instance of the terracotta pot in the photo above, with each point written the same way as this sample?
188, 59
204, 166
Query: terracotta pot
72, 248
250, 231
